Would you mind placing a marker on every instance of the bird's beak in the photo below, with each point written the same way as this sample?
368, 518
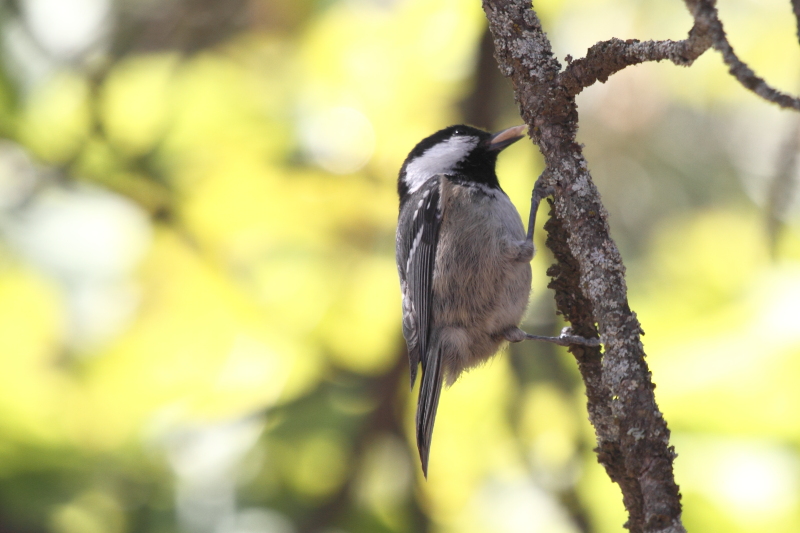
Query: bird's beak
507, 137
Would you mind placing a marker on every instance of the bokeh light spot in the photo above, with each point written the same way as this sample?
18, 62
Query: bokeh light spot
339, 139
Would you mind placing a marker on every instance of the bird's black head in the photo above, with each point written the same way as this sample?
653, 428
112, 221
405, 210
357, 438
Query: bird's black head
461, 152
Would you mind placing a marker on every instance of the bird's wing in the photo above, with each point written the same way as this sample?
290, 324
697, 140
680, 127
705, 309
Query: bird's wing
416, 255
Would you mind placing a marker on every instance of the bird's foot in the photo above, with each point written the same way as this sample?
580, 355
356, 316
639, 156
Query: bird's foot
540, 192
565, 339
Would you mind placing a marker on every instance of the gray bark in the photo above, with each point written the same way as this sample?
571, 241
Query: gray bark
589, 277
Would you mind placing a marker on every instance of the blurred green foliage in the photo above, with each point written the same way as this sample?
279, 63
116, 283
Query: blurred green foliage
199, 311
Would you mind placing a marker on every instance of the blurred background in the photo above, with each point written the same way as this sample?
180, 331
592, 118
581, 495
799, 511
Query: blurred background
199, 307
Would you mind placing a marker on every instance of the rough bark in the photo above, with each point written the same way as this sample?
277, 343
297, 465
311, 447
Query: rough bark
588, 278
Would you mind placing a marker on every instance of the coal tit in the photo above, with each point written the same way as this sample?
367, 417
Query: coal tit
464, 261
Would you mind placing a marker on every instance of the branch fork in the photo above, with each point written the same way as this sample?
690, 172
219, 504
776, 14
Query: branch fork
589, 276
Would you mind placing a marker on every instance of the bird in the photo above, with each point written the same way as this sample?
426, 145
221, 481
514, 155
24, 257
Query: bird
463, 259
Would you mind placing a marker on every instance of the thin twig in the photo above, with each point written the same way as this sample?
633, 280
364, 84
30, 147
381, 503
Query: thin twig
706, 15
608, 57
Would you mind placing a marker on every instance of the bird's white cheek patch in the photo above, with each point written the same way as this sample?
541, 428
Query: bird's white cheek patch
439, 159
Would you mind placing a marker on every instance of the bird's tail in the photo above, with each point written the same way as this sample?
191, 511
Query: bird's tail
430, 387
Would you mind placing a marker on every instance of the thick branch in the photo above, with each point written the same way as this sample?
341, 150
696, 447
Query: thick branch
607, 57
632, 436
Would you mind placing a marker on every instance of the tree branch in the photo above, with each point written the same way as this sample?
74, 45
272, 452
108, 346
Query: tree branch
632, 436
607, 57
706, 15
